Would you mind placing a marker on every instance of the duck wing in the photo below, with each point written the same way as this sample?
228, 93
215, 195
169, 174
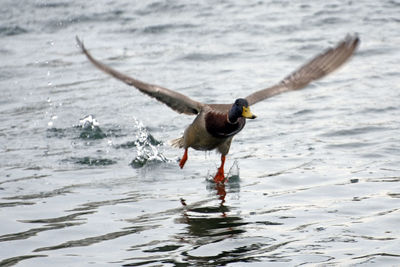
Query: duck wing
175, 100
318, 67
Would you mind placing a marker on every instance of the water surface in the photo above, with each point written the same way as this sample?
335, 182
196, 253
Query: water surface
86, 172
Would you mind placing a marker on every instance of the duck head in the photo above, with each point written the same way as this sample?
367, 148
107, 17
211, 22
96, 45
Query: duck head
240, 109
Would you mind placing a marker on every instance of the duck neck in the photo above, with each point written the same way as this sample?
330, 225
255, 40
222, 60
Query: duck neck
233, 116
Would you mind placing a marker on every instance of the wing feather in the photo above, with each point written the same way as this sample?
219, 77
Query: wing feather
175, 100
318, 67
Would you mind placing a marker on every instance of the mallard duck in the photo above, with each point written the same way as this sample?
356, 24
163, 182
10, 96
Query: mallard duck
216, 124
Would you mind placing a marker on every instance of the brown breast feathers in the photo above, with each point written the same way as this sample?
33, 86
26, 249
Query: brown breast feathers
218, 126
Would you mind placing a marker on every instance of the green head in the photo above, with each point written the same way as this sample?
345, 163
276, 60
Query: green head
240, 109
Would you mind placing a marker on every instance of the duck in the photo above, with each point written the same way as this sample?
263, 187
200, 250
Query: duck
215, 125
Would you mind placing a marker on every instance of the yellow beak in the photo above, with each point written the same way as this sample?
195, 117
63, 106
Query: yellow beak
247, 113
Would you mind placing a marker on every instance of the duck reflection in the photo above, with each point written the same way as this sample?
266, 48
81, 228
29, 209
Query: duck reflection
214, 220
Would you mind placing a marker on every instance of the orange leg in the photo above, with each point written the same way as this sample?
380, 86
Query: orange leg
221, 192
220, 177
184, 159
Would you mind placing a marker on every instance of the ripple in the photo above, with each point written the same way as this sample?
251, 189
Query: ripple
69, 190
91, 161
207, 56
15, 204
56, 133
54, 5
41, 195
233, 252
95, 205
62, 219
55, 63
163, 28
355, 131
26, 178
377, 254
384, 180
14, 260
379, 110
63, 22
92, 240
92, 133
160, 7
165, 248
12, 30
27, 109
34, 231
351, 145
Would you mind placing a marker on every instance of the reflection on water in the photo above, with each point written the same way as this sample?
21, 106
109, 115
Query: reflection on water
205, 222
213, 221
319, 169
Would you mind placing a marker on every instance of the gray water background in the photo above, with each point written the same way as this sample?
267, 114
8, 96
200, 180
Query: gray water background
314, 180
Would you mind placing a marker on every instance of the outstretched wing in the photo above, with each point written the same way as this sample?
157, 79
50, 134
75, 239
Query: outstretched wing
317, 68
174, 100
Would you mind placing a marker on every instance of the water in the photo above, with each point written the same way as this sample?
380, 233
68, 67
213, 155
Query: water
87, 175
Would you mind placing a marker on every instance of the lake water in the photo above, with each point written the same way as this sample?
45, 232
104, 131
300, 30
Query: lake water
86, 173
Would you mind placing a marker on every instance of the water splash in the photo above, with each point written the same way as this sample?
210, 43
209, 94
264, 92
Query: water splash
146, 147
233, 173
88, 121
90, 128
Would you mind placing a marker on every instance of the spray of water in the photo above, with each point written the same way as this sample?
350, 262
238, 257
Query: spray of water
147, 147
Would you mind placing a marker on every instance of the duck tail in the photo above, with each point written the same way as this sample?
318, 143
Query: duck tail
178, 142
